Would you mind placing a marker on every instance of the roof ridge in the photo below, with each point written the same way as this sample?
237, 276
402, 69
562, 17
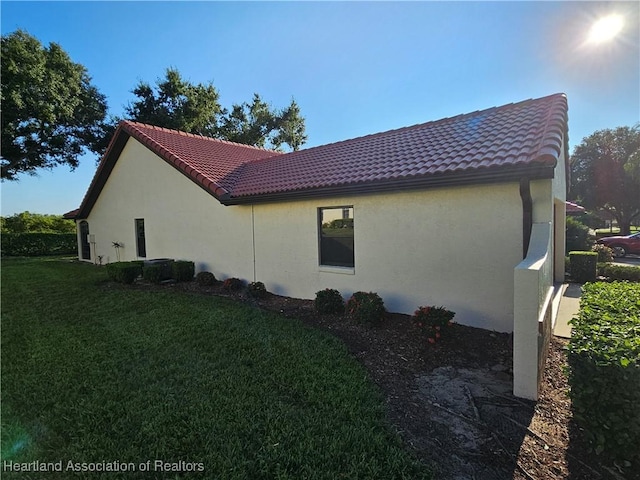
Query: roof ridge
137, 125
442, 121
551, 140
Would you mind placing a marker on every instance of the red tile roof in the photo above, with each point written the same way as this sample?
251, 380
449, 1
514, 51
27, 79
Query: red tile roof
523, 139
516, 139
574, 208
211, 163
71, 215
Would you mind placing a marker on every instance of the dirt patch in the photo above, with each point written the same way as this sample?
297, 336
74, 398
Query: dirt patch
451, 402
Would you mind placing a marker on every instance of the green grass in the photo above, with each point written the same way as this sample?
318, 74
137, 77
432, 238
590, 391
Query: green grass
614, 231
93, 372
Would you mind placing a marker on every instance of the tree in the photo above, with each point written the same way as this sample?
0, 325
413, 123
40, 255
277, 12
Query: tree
605, 173
260, 125
51, 114
177, 104
180, 105
291, 127
27, 222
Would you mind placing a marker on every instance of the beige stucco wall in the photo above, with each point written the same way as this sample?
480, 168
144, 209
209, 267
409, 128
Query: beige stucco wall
455, 247
449, 247
182, 221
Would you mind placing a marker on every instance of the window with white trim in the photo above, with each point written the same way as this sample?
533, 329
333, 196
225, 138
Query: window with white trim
335, 233
141, 243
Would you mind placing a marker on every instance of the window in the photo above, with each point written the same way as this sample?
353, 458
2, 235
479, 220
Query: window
85, 245
140, 241
335, 226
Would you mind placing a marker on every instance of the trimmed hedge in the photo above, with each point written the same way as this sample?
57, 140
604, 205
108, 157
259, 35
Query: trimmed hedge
152, 273
329, 300
604, 369
124, 272
183, 270
205, 279
38, 244
620, 272
583, 266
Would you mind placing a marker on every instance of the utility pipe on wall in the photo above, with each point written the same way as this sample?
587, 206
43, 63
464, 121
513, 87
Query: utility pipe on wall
527, 214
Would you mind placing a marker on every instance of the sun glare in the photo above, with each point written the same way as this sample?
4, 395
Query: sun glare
605, 29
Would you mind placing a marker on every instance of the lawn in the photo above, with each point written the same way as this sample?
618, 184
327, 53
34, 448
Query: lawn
614, 231
95, 373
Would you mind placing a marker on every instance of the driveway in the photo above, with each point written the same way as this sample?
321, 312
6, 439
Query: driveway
629, 260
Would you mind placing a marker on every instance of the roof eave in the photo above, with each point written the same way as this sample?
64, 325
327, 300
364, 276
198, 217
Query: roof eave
452, 179
111, 156
105, 167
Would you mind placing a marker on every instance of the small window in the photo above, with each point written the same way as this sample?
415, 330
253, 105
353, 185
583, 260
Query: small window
85, 241
335, 226
140, 240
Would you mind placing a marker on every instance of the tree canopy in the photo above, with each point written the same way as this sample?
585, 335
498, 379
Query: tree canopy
195, 108
51, 113
176, 104
605, 174
27, 222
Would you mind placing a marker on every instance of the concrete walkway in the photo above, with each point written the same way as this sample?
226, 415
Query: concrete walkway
567, 303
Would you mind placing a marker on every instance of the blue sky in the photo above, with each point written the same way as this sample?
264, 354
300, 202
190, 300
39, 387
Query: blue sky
354, 68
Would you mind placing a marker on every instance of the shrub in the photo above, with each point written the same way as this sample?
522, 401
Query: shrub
257, 290
605, 254
433, 320
366, 307
124, 272
182, 270
165, 264
604, 369
329, 300
205, 279
233, 284
621, 272
38, 244
578, 236
152, 273
583, 266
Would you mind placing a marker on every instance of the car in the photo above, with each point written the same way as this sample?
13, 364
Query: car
623, 245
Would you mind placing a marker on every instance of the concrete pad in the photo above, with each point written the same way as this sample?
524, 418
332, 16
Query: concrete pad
567, 309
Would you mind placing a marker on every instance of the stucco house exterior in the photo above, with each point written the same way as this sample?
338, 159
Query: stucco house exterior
466, 212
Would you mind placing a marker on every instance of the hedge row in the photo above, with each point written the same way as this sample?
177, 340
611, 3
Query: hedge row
621, 272
583, 266
604, 369
127, 272
38, 244
582, 269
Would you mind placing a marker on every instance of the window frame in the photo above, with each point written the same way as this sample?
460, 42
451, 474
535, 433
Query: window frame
141, 241
335, 267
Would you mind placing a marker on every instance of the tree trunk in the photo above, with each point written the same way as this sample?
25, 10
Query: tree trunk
625, 226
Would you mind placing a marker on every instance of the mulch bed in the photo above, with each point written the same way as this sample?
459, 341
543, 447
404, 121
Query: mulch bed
451, 402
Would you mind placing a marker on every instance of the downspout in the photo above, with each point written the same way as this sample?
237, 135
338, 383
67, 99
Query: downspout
253, 240
527, 214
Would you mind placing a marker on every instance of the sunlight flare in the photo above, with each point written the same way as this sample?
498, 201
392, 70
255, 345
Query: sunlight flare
605, 29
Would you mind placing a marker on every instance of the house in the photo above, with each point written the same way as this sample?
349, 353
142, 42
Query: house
574, 209
466, 212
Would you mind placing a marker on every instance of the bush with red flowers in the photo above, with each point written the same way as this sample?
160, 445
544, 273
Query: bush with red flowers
233, 284
433, 320
366, 307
